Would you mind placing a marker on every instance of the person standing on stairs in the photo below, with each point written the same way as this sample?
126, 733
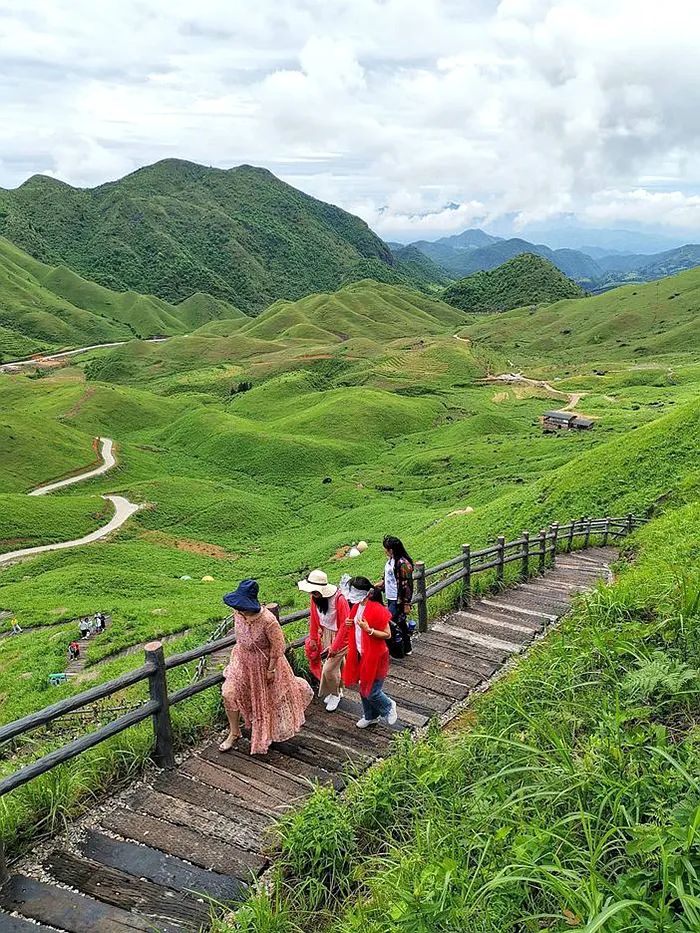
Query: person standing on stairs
327, 641
397, 584
367, 661
259, 683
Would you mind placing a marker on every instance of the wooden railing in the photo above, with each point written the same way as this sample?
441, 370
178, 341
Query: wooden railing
534, 552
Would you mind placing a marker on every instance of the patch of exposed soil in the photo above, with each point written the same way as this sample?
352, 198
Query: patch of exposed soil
203, 548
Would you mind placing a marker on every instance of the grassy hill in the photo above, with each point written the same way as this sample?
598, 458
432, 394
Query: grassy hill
44, 307
175, 228
642, 322
524, 280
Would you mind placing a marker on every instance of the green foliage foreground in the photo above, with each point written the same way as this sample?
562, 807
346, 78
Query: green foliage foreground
569, 796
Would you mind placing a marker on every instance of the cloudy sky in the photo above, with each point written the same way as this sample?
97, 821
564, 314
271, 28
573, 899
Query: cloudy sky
422, 116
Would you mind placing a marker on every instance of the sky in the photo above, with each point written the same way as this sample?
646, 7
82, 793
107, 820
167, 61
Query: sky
422, 116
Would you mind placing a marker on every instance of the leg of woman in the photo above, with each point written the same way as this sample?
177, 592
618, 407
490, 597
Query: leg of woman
380, 702
234, 728
330, 679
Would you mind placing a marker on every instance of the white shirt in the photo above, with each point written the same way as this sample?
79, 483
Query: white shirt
391, 587
329, 619
358, 630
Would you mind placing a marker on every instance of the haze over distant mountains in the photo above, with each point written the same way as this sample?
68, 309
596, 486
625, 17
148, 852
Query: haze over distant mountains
474, 250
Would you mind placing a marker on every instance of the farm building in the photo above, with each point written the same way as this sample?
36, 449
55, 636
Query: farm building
565, 420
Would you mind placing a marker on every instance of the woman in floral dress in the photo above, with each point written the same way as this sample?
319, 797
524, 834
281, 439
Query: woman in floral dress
259, 683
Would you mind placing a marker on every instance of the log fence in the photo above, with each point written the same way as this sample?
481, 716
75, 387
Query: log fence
462, 570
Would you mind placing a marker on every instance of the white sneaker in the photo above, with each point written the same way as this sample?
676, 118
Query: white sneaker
393, 714
327, 698
363, 723
332, 702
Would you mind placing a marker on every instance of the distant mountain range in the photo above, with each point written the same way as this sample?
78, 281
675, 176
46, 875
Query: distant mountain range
477, 251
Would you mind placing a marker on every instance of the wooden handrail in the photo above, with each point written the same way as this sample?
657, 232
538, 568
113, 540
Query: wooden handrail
156, 667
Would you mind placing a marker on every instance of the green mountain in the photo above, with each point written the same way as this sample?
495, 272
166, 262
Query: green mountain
175, 228
525, 280
48, 307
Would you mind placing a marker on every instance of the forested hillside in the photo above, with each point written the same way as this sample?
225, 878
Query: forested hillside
175, 228
525, 280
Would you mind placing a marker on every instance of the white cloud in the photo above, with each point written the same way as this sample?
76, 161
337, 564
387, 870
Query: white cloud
394, 108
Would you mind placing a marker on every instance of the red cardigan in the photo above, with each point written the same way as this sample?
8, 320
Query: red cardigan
312, 645
373, 662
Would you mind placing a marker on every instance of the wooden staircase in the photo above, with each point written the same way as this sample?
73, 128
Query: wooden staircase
152, 858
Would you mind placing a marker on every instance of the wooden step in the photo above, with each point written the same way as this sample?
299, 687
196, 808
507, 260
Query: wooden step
184, 843
10, 924
498, 603
225, 779
458, 650
474, 638
70, 911
127, 891
166, 870
486, 625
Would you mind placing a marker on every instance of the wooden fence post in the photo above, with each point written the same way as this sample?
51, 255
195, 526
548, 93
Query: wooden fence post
467, 580
4, 873
542, 550
570, 538
606, 532
163, 754
274, 609
501, 541
555, 538
630, 523
525, 569
422, 598
587, 538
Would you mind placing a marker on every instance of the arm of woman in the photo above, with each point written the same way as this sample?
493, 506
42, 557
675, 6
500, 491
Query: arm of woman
275, 638
404, 580
343, 632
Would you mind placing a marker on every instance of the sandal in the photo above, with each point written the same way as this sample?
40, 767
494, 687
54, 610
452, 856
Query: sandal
229, 742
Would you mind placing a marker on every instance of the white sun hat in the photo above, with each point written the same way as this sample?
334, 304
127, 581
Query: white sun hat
317, 582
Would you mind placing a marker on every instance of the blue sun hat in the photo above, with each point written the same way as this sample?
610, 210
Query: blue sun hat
245, 597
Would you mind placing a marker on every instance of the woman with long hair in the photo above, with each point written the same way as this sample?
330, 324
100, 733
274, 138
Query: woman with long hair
397, 584
327, 641
367, 661
259, 683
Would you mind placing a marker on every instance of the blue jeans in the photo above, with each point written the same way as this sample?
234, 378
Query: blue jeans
377, 703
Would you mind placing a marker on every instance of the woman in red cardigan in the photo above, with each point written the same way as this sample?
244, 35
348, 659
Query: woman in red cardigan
368, 655
328, 635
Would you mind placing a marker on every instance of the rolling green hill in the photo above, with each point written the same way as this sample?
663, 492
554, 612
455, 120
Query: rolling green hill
633, 322
175, 228
524, 280
44, 307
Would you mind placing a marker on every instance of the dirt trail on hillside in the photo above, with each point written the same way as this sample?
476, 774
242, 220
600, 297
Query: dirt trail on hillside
573, 398
123, 509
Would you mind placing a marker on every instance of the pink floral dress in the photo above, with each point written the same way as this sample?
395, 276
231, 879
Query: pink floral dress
273, 711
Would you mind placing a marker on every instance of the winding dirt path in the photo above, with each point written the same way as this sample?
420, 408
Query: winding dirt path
38, 359
518, 379
123, 509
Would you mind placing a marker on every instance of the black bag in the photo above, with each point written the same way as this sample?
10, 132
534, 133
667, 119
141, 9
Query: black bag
396, 643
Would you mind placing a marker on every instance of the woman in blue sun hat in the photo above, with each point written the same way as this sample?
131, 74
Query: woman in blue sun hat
259, 683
